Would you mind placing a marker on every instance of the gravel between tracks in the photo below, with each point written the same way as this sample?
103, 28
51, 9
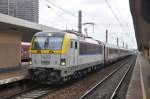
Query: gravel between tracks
12, 89
105, 89
74, 89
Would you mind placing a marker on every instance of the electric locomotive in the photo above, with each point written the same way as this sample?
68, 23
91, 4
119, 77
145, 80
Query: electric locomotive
59, 56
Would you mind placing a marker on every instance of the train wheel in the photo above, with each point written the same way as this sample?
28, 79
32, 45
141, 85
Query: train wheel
75, 75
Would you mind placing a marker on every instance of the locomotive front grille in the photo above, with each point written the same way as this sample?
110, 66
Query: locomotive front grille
45, 60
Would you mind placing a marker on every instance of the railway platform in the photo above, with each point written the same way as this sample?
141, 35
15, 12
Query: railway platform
14, 74
139, 87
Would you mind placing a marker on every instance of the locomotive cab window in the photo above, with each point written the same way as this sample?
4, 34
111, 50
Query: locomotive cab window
76, 45
47, 43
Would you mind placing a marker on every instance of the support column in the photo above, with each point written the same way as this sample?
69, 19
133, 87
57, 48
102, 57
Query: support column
10, 49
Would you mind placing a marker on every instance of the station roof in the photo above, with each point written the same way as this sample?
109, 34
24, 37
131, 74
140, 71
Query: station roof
141, 19
22, 27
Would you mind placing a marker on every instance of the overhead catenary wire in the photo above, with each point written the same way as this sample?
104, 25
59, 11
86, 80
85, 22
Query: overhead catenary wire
75, 7
68, 1
116, 17
64, 20
48, 6
64, 10
117, 8
54, 4
114, 14
115, 5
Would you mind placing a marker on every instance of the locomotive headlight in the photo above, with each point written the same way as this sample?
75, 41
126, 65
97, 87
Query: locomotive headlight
30, 61
63, 62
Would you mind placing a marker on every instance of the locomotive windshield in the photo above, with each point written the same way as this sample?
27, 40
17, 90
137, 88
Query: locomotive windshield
47, 43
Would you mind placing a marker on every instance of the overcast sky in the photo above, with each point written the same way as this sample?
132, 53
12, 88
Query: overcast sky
113, 15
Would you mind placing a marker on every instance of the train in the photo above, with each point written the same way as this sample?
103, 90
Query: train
25, 51
57, 57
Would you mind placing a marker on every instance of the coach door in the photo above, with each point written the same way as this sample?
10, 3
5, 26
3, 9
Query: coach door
73, 52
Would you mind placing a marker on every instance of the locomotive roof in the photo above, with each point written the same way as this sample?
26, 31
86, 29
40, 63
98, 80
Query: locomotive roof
89, 40
49, 34
86, 39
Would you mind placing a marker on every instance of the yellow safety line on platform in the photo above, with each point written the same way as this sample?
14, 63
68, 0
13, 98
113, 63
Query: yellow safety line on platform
142, 83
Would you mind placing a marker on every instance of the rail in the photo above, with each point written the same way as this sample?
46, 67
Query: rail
89, 91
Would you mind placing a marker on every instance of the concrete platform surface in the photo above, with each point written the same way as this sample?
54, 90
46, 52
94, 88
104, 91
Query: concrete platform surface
139, 87
14, 75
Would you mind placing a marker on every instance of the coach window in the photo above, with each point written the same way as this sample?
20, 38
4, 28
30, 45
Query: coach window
76, 46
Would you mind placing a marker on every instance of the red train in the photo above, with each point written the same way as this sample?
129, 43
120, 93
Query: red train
25, 51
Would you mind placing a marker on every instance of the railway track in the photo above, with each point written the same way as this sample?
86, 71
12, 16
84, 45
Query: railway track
9, 91
35, 94
39, 91
74, 90
108, 87
34, 91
